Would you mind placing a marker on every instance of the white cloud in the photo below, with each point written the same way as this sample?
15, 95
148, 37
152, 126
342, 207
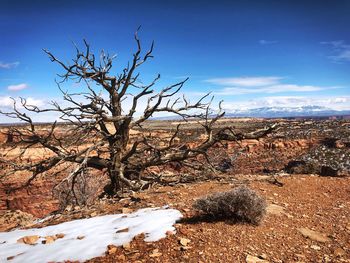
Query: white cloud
340, 49
335, 102
7, 102
254, 85
267, 42
6, 105
245, 81
343, 55
17, 87
8, 65
269, 89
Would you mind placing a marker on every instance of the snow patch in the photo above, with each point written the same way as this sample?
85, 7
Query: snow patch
98, 232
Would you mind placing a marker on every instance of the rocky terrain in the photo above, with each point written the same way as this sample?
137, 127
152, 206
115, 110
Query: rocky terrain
302, 169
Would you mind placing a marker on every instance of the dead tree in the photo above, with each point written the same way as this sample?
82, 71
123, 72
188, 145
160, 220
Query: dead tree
98, 136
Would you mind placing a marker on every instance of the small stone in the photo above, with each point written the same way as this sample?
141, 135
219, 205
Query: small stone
29, 240
169, 233
126, 210
49, 240
80, 237
124, 230
121, 258
184, 241
155, 253
275, 209
338, 252
313, 235
253, 259
300, 256
111, 249
60, 235
126, 246
348, 227
315, 247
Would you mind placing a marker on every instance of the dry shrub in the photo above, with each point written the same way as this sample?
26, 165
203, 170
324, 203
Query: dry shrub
239, 204
82, 191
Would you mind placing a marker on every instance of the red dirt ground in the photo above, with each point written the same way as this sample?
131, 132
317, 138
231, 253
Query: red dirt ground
317, 203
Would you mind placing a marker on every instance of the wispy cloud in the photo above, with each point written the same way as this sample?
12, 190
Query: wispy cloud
340, 49
270, 89
6, 105
245, 81
4, 65
254, 85
331, 102
267, 42
7, 102
18, 87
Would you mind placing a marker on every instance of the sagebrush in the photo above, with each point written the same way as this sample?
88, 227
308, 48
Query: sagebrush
239, 204
81, 190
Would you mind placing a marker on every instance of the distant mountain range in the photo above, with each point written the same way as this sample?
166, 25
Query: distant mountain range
280, 112
277, 112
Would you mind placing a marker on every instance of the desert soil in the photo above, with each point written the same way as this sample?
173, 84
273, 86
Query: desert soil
308, 218
320, 204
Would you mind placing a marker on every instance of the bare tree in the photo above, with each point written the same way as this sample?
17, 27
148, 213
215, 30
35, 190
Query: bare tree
98, 136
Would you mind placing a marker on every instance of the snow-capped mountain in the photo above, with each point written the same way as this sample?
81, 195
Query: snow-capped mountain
277, 112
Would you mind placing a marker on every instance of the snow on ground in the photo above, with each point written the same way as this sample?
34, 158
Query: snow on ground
98, 233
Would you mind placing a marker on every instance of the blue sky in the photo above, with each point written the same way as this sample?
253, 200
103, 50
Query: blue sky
248, 53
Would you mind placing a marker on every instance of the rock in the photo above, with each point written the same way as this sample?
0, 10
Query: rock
183, 248
314, 235
29, 240
155, 253
121, 258
126, 246
10, 219
300, 256
169, 233
80, 237
253, 259
93, 214
315, 247
49, 240
60, 235
338, 252
184, 241
277, 210
348, 227
126, 210
28, 199
124, 230
111, 249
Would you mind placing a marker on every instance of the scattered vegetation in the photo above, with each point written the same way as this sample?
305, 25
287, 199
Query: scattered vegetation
81, 190
239, 204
